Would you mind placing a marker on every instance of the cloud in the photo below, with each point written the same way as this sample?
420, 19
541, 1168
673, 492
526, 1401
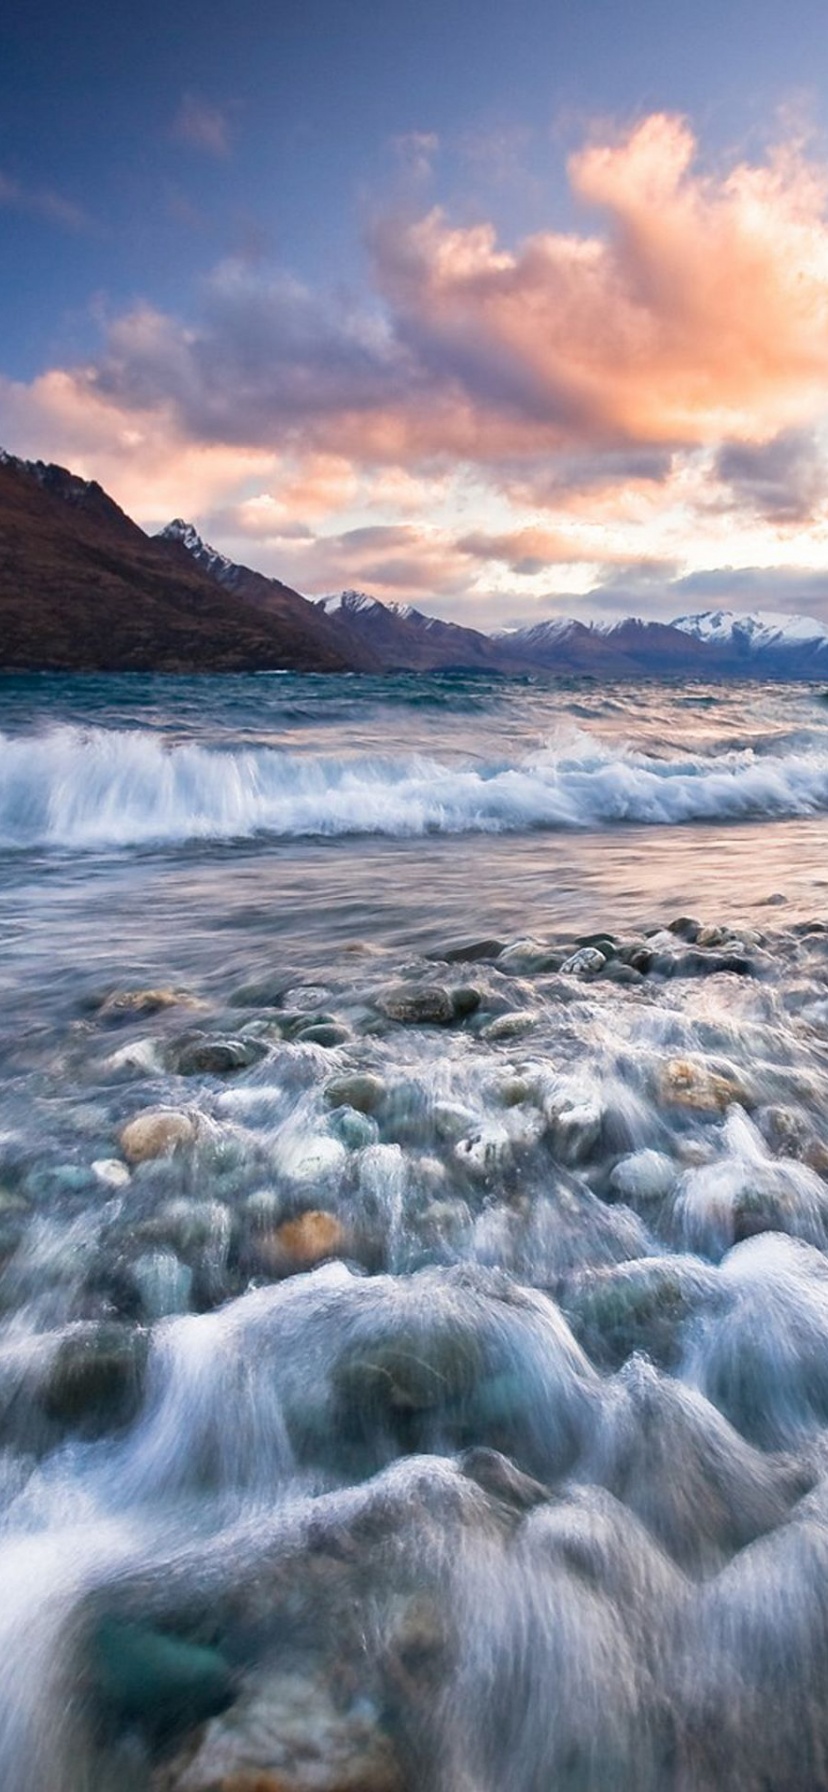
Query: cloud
201, 126
700, 313
784, 480
649, 386
526, 552
42, 202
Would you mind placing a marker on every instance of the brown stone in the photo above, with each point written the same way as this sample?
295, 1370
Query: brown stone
137, 1002
686, 1083
158, 1132
303, 1242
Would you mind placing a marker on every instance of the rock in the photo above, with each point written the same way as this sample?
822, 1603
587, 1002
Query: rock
637, 1306
361, 1090
686, 928
164, 1284
587, 962
204, 1056
144, 1057
301, 1243
417, 1004
487, 1152
605, 942
574, 1116
712, 936
510, 1026
643, 1176
110, 1172
465, 1000
288, 1733
356, 1130
328, 1033
310, 1157
691, 1084
129, 1004
528, 956
162, 1683
158, 1132
476, 952
94, 1381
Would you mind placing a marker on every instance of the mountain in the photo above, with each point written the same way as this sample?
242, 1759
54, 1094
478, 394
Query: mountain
615, 650
766, 641
82, 588
325, 642
404, 639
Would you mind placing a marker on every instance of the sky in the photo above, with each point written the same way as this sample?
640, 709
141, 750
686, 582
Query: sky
505, 312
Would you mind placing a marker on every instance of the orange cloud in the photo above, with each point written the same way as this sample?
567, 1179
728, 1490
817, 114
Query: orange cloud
702, 312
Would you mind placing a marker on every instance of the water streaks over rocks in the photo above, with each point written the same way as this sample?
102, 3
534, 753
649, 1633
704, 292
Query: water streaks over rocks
417, 1381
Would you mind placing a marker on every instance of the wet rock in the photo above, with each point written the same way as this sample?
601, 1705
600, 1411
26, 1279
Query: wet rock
692, 1084
94, 1380
574, 1115
162, 1683
360, 1090
303, 1242
686, 928
700, 1489
417, 1004
529, 957
111, 1172
713, 936
465, 1000
132, 1004
328, 1033
499, 1478
643, 1178
510, 1026
141, 1057
356, 1130
486, 1153
761, 1355
164, 1284
306, 1158
204, 1056
158, 1132
288, 1732
476, 952
587, 962
637, 1306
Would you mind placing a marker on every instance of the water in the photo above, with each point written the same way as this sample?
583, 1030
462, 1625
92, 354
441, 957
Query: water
413, 1335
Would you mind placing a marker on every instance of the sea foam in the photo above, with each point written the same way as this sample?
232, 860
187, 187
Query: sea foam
90, 788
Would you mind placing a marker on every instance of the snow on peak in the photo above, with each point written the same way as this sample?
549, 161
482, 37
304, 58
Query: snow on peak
353, 602
756, 632
208, 558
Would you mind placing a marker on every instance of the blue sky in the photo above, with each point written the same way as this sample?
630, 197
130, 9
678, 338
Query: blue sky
328, 278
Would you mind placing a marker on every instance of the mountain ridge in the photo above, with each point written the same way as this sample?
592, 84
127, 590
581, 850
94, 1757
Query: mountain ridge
83, 587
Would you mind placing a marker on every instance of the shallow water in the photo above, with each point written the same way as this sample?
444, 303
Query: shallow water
413, 1320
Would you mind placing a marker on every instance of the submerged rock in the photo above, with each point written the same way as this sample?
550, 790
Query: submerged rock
158, 1132
303, 1242
417, 1004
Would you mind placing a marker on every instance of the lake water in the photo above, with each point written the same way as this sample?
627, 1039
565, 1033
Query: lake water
413, 1229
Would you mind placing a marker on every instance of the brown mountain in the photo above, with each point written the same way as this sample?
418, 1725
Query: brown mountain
82, 588
323, 634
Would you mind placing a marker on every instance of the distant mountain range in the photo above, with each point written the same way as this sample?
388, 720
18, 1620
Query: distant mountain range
83, 588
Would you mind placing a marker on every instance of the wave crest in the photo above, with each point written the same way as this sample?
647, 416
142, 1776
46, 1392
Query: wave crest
86, 789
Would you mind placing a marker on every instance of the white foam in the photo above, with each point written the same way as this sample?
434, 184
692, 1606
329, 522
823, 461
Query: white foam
87, 789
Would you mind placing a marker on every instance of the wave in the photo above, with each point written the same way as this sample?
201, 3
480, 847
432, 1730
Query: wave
85, 789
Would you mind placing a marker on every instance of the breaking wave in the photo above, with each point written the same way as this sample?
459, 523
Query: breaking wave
89, 788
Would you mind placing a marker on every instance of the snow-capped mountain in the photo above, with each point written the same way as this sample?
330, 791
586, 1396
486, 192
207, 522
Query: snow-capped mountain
404, 639
762, 632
